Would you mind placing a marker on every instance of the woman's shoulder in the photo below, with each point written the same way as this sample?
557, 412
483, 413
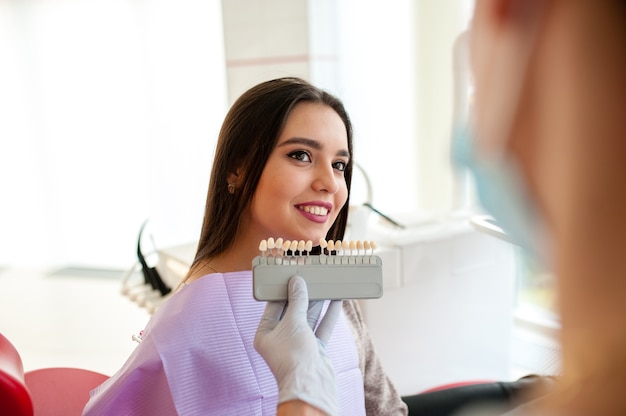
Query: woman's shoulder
208, 292
217, 299
352, 310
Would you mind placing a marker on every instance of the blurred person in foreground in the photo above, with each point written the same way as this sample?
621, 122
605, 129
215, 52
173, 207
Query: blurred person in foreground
547, 149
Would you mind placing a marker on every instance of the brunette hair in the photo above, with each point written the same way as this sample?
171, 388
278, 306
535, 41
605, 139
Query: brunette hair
246, 140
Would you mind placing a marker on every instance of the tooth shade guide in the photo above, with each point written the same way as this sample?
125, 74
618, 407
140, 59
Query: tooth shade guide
331, 246
366, 246
286, 253
300, 247
327, 280
373, 247
339, 252
350, 247
284, 259
278, 244
292, 248
308, 246
345, 253
263, 250
297, 252
338, 247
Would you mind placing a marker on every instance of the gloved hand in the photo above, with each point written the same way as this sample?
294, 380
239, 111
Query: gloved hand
297, 355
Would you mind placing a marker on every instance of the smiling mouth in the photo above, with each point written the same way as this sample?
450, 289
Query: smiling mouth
314, 209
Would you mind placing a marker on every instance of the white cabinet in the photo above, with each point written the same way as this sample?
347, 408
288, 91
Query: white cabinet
447, 311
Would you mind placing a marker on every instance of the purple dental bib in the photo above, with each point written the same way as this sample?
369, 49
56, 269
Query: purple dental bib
197, 358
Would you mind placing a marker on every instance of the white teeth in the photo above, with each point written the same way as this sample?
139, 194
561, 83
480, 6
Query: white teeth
340, 248
315, 210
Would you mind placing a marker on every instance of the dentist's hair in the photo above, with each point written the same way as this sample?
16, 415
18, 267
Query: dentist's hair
248, 135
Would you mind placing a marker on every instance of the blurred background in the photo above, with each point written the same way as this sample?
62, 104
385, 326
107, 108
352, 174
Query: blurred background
109, 116
110, 109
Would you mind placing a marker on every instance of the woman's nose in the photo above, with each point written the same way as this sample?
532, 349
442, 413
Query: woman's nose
326, 180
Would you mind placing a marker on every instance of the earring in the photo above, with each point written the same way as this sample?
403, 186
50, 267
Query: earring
231, 188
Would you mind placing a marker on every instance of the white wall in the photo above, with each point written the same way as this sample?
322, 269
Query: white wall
391, 64
108, 116
110, 110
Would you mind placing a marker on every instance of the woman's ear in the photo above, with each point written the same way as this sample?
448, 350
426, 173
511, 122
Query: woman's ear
234, 179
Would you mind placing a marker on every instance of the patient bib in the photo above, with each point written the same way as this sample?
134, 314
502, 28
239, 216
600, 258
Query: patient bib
197, 357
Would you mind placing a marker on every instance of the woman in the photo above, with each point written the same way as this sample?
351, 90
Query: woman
282, 168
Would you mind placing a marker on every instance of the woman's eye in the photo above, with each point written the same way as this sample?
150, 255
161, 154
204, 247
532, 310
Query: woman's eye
300, 155
340, 165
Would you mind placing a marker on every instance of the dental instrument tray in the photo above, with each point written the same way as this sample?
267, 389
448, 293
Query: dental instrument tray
350, 270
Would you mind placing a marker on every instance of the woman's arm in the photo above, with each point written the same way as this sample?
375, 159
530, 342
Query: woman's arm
381, 396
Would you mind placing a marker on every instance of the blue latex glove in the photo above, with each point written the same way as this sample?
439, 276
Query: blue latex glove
294, 353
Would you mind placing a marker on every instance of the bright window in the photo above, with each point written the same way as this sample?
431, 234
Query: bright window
107, 108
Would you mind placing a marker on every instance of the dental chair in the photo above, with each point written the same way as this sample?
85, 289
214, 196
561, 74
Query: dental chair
55, 391
503, 396
14, 396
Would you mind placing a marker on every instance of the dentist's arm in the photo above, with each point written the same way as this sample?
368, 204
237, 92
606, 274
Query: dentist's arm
296, 355
298, 408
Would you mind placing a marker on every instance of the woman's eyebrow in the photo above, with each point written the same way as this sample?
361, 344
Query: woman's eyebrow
312, 144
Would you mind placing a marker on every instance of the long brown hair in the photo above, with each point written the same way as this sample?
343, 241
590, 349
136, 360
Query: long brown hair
246, 140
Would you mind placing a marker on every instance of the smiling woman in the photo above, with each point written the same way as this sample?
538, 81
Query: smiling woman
303, 188
283, 168
284, 144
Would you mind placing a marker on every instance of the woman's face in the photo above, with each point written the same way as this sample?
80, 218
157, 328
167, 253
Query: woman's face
302, 188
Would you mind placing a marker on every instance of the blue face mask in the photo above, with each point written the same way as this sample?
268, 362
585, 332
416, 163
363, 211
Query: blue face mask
502, 194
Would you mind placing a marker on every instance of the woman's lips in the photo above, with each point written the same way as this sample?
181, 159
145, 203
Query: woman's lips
316, 213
